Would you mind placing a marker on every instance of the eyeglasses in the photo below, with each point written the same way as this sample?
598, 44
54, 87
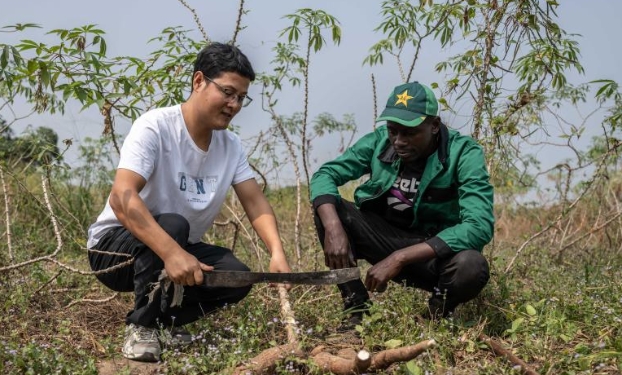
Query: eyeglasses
231, 95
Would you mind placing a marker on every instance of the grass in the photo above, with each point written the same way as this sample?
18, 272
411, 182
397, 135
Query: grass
561, 319
561, 315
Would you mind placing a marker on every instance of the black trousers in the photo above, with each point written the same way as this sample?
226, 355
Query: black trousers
139, 276
456, 279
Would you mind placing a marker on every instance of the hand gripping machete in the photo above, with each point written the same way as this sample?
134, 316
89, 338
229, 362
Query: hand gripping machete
232, 279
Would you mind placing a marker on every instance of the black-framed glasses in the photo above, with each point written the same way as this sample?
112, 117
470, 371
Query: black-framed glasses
230, 95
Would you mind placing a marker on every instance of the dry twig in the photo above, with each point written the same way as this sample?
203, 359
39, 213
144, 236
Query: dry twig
498, 349
87, 300
7, 214
288, 317
196, 19
59, 240
238, 22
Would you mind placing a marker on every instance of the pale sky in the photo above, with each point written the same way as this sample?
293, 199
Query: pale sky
339, 83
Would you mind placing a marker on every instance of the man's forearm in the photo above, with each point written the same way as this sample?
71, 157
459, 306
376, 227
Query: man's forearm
417, 253
329, 217
266, 227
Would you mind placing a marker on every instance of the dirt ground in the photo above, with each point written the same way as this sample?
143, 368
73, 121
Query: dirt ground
125, 366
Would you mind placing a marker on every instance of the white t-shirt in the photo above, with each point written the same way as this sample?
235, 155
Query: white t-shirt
181, 178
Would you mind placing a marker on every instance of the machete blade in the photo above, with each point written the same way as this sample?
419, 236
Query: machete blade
224, 278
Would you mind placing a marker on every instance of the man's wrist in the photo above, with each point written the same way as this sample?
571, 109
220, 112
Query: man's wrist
401, 258
170, 252
333, 226
277, 251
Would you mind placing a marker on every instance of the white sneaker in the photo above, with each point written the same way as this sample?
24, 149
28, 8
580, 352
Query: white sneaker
141, 344
175, 336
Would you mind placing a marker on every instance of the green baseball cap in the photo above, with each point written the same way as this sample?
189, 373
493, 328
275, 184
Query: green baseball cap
409, 104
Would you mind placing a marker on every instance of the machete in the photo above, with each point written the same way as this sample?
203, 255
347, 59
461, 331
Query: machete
232, 279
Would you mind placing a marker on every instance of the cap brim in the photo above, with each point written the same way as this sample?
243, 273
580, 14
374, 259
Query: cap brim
402, 117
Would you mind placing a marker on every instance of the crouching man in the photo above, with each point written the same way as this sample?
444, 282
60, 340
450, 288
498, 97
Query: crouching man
421, 218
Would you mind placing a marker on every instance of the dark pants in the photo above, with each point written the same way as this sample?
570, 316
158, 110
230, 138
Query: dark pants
139, 276
453, 280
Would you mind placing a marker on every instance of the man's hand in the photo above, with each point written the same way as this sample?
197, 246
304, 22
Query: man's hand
337, 253
381, 273
278, 263
185, 269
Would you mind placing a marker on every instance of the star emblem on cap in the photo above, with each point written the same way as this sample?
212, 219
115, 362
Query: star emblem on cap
403, 98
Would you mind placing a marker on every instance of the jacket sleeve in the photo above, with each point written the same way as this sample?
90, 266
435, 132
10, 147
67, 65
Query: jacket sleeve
475, 199
352, 164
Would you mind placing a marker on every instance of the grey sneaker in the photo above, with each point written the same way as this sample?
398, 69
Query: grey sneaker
141, 344
175, 336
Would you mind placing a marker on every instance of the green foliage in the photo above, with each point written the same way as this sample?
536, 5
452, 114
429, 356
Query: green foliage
313, 22
37, 147
323, 124
77, 67
39, 358
408, 25
514, 59
288, 65
557, 316
609, 91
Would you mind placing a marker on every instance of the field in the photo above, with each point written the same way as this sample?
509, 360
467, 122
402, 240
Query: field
554, 301
557, 309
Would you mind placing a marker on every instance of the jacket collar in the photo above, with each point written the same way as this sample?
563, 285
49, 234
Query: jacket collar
388, 155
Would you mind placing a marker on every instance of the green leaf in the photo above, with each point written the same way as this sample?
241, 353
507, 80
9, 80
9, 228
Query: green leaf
27, 44
376, 317
102, 47
516, 324
4, 58
31, 67
530, 310
45, 74
413, 369
17, 58
336, 35
393, 343
80, 94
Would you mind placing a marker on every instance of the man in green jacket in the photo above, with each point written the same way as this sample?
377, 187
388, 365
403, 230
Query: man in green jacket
422, 216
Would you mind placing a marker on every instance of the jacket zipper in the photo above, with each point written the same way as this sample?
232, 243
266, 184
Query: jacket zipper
396, 167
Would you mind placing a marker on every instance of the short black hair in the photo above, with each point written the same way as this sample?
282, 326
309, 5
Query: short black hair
217, 58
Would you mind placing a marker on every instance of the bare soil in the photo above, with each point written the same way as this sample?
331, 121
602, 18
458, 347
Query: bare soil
126, 366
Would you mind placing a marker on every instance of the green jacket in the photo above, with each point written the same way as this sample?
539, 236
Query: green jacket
453, 207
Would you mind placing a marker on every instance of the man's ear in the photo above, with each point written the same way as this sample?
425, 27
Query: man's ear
197, 79
436, 125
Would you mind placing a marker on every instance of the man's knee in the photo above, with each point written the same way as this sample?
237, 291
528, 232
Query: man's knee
147, 265
231, 263
226, 260
175, 226
469, 274
239, 294
471, 268
238, 266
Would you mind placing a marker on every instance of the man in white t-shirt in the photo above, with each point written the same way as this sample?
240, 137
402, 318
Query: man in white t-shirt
176, 166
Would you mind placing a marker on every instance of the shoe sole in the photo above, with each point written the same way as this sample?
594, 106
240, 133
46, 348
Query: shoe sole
147, 357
